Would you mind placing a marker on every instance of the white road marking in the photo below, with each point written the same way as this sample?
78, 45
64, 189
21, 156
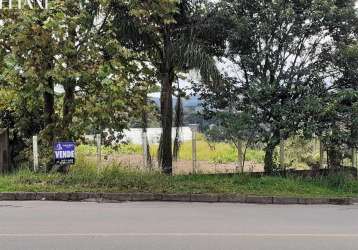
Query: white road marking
249, 235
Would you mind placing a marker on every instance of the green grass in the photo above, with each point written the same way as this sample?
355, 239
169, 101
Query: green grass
106, 150
85, 177
218, 153
299, 152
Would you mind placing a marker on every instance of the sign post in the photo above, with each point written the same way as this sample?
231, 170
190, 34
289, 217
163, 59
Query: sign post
64, 153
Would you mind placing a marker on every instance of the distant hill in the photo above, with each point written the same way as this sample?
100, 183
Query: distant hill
193, 102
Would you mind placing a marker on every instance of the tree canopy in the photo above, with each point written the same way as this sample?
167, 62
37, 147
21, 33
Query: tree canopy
173, 36
88, 66
67, 72
283, 52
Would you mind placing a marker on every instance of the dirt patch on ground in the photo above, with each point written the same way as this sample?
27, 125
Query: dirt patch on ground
180, 166
186, 167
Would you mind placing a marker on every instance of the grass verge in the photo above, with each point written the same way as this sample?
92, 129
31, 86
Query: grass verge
117, 179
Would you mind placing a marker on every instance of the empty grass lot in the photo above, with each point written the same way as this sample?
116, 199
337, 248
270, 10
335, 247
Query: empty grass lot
84, 177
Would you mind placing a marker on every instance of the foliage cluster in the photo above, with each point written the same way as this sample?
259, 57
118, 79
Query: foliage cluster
88, 66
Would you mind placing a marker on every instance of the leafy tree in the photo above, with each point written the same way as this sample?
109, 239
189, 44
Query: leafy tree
68, 46
232, 125
337, 123
281, 51
30, 109
238, 129
19, 114
335, 120
173, 36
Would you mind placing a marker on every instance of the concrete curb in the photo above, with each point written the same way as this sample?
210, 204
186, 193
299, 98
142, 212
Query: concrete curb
213, 198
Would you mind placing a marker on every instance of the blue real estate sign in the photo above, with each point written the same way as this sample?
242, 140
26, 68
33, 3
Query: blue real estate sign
64, 153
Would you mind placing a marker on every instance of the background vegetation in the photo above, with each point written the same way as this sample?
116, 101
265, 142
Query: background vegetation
84, 67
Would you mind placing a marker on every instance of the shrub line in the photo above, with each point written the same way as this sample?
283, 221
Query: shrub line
175, 197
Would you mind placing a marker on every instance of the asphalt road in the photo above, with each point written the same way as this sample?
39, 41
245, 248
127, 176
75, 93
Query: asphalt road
173, 226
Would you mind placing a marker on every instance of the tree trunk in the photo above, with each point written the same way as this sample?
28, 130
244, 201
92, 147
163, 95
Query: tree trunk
49, 108
167, 121
334, 153
240, 157
68, 110
69, 104
145, 128
334, 156
269, 151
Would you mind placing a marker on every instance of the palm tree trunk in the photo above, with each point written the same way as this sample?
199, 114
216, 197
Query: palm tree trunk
178, 124
166, 156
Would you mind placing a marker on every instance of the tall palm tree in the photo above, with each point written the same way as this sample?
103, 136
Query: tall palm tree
174, 37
